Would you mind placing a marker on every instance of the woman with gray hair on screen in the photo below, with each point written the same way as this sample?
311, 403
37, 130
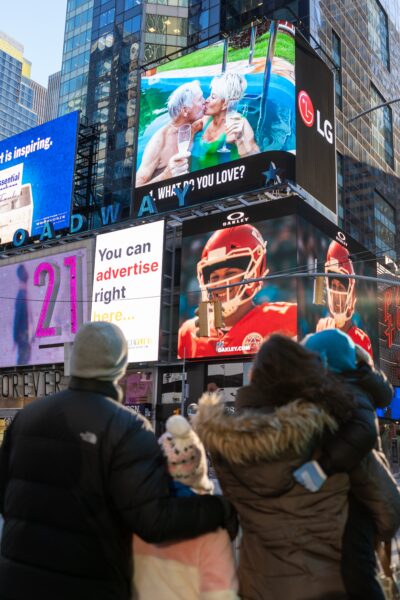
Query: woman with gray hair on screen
224, 134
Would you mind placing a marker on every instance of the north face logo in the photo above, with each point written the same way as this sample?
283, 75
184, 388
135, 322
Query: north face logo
89, 437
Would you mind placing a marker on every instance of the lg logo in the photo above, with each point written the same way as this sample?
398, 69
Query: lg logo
307, 113
306, 108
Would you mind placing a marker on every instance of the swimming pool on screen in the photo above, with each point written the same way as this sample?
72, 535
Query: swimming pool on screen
276, 130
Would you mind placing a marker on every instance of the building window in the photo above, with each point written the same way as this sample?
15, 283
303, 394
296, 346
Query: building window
166, 25
337, 59
102, 91
340, 187
132, 25
107, 17
382, 128
132, 4
385, 227
378, 31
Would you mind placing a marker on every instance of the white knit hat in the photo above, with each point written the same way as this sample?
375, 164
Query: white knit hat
185, 454
100, 352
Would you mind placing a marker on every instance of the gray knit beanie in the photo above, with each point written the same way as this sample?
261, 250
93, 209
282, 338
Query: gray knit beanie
100, 352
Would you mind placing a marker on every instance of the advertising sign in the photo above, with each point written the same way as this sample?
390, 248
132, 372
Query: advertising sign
315, 123
346, 304
36, 177
229, 248
127, 286
43, 303
252, 111
218, 121
389, 326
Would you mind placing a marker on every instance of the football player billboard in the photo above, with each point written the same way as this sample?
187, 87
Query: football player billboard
37, 176
218, 121
346, 304
227, 249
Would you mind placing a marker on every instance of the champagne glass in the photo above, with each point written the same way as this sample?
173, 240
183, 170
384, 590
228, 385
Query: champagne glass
231, 116
184, 137
244, 109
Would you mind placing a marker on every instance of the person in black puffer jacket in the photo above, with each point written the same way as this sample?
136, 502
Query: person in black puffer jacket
371, 516
79, 473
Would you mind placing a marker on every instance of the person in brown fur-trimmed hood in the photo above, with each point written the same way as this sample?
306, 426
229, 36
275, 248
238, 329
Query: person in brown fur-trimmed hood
291, 545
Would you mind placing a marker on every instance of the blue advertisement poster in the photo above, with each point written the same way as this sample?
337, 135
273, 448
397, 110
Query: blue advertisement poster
36, 177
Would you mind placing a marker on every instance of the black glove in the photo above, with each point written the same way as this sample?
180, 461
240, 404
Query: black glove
231, 521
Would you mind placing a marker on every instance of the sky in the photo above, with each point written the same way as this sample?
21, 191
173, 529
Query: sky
39, 26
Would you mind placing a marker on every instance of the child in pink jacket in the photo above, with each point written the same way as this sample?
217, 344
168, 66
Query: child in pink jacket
198, 569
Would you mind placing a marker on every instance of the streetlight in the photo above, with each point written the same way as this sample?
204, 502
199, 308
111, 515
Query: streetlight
365, 112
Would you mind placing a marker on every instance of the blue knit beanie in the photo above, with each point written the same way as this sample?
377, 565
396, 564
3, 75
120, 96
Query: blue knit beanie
337, 349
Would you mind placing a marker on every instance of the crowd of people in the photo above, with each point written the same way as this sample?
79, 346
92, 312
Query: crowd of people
95, 507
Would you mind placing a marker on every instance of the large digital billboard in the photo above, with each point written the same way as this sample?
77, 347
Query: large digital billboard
346, 304
315, 126
44, 301
243, 114
283, 244
37, 176
127, 286
218, 121
226, 249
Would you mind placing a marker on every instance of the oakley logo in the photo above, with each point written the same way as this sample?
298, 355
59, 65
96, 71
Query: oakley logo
341, 238
235, 218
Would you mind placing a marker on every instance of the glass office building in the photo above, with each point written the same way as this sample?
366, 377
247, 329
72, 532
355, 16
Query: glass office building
16, 91
107, 40
368, 147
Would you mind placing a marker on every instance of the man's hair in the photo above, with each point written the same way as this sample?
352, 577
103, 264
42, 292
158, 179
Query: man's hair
229, 86
182, 96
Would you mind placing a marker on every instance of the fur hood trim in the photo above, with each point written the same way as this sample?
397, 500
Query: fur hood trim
252, 435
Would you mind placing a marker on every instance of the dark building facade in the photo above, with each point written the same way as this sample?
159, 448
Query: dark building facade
368, 147
107, 42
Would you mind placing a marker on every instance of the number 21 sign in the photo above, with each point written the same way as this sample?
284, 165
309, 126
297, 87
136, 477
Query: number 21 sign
44, 301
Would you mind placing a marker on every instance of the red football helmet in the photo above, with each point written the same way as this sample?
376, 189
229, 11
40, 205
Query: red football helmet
342, 299
240, 247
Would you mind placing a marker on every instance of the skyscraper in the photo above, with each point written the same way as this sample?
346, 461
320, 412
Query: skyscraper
16, 93
368, 156
39, 101
103, 46
106, 41
53, 96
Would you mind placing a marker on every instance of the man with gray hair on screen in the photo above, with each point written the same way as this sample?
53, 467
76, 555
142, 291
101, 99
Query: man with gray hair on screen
161, 157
